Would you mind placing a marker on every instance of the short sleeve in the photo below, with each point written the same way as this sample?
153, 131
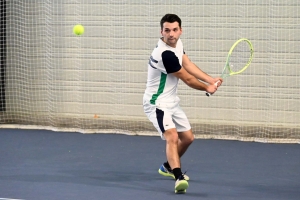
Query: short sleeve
170, 61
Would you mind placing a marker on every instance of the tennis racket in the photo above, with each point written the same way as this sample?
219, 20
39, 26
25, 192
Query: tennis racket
238, 59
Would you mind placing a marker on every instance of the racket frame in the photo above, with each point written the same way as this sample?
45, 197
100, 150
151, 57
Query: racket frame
227, 66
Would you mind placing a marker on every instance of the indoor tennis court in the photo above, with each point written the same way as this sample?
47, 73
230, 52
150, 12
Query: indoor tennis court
72, 124
42, 164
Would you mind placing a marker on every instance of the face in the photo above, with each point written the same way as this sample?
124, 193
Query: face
171, 33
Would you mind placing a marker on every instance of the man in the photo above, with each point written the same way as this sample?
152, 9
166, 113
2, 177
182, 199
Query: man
167, 64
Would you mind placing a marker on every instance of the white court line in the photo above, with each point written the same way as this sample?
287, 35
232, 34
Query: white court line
9, 199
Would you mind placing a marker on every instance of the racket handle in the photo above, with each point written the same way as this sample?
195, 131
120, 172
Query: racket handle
209, 94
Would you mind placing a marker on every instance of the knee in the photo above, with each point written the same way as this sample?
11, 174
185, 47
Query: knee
171, 136
188, 139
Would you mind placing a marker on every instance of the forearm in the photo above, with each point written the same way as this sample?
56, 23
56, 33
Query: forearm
193, 82
199, 74
194, 70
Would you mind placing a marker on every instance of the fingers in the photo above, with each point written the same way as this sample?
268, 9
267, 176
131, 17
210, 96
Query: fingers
215, 87
212, 89
219, 82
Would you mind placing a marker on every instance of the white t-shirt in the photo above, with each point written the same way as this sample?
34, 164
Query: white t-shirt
161, 84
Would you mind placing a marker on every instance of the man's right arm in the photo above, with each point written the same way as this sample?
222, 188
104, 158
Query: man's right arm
193, 82
172, 66
191, 68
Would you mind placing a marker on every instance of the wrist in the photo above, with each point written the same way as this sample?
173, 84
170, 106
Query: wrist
210, 80
205, 87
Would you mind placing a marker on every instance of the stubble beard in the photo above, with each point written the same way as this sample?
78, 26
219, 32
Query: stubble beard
172, 42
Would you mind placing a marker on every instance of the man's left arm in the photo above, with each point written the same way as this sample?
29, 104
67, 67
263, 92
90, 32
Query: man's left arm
191, 68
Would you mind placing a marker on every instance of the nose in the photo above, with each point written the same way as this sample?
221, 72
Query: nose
171, 33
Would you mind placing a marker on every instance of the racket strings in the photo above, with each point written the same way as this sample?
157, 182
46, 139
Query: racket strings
239, 57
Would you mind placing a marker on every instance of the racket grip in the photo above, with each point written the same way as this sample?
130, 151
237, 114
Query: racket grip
209, 94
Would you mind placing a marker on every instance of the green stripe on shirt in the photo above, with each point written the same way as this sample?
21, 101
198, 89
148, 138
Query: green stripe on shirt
162, 83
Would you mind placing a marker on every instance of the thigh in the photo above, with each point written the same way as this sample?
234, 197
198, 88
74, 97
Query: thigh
180, 120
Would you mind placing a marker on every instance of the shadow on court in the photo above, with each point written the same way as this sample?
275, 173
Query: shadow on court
47, 165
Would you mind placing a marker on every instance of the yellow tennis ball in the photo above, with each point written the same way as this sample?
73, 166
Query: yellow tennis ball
78, 29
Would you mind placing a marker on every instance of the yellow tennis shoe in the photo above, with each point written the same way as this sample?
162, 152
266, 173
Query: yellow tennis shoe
181, 185
168, 172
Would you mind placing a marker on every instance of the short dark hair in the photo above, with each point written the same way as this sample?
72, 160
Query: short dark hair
170, 18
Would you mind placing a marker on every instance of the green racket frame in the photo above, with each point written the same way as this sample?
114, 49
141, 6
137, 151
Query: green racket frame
227, 66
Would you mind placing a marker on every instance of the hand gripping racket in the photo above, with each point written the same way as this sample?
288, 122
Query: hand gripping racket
238, 59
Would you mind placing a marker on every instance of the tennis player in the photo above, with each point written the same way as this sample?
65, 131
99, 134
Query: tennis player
167, 64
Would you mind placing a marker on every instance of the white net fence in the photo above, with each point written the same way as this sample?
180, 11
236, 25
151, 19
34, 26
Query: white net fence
94, 83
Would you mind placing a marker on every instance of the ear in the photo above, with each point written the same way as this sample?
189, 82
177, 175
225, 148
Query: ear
161, 31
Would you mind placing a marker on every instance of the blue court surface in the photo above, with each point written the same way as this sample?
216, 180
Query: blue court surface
47, 165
